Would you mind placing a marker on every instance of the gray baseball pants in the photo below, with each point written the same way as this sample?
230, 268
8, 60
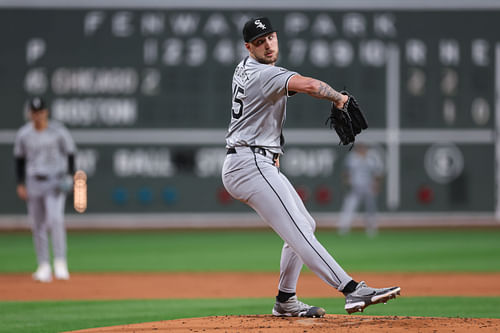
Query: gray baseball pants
254, 179
46, 212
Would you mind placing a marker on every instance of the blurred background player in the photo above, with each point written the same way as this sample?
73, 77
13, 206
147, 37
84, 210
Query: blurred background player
44, 155
363, 175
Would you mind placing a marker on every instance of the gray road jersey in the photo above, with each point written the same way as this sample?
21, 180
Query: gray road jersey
362, 170
259, 99
46, 151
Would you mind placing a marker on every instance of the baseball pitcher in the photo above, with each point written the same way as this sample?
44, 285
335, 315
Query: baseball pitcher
251, 173
44, 155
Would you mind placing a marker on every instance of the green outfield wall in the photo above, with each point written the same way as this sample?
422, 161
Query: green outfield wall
146, 94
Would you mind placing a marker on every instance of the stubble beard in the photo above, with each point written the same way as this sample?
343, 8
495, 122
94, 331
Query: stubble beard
268, 61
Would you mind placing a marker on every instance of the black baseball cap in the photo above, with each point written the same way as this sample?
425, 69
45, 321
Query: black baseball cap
255, 28
37, 104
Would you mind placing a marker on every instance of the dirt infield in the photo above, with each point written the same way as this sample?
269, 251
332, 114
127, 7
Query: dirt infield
226, 285
328, 324
107, 286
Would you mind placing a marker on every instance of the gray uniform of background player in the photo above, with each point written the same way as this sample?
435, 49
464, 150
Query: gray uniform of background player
363, 172
259, 106
46, 162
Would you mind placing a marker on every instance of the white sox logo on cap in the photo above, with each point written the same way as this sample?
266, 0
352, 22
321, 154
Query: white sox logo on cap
36, 104
256, 27
259, 24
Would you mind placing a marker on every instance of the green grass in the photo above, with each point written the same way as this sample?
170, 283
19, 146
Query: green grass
244, 250
419, 251
40, 317
259, 250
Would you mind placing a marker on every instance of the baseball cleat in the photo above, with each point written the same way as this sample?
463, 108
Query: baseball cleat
363, 296
61, 269
43, 273
295, 308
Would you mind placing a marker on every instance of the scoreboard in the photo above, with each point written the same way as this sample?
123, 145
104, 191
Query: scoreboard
146, 94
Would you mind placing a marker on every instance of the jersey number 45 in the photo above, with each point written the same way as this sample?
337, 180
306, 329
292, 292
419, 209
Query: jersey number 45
237, 109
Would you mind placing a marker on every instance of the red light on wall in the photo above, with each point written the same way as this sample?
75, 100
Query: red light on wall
303, 192
425, 194
223, 196
323, 195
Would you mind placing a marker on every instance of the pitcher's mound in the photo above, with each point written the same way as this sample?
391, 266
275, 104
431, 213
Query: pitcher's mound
330, 323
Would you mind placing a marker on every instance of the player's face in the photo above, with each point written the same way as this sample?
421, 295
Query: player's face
265, 49
39, 117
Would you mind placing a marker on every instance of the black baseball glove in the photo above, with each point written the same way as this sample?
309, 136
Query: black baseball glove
348, 121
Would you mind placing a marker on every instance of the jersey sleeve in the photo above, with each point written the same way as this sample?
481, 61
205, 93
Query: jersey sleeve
19, 149
66, 141
274, 81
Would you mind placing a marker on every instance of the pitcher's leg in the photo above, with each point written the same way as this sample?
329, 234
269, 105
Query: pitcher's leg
273, 201
291, 264
298, 202
290, 267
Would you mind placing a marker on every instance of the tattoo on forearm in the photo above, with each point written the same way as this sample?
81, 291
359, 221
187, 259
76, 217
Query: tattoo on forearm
327, 92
